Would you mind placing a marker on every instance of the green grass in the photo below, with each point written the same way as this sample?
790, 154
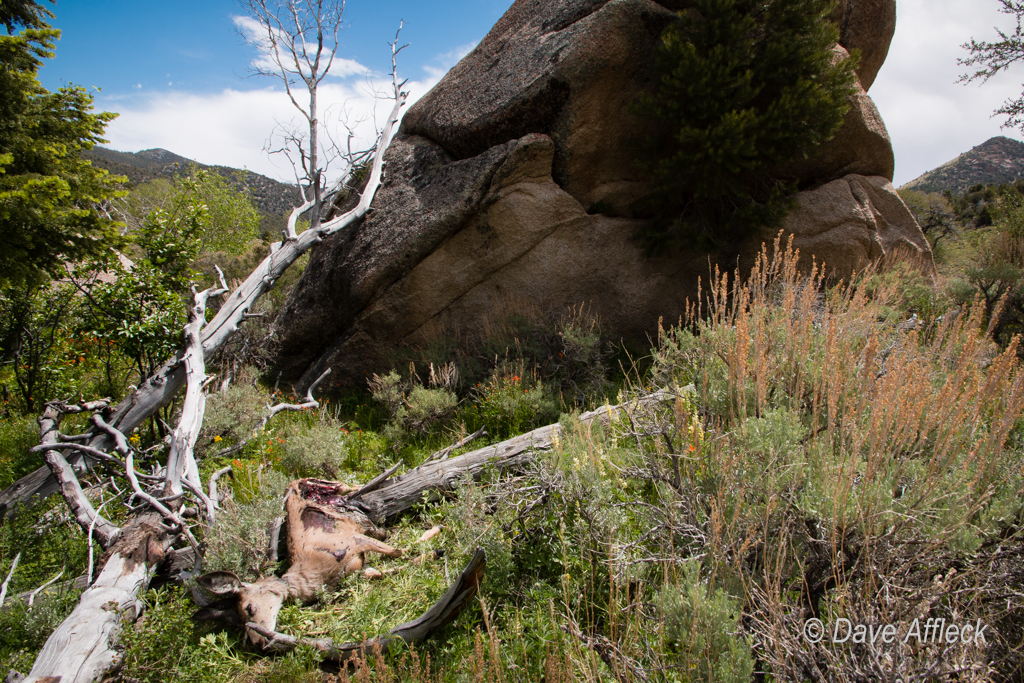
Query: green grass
812, 458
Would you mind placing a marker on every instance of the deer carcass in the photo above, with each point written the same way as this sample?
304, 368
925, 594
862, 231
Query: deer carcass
328, 535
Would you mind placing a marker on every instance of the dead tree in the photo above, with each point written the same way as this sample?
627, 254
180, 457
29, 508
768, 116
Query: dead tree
300, 39
80, 649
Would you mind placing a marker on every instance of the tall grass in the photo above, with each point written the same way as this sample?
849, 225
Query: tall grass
810, 452
854, 465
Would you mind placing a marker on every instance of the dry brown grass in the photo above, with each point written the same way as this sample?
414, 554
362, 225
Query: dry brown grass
858, 467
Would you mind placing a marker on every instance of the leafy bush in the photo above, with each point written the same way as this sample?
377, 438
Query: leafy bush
47, 541
23, 630
702, 628
994, 267
238, 542
742, 88
415, 410
41, 337
842, 439
568, 353
580, 370
17, 436
158, 646
511, 403
321, 450
232, 415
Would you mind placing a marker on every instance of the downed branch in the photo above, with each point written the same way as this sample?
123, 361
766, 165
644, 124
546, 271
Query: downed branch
445, 452
32, 594
160, 389
81, 649
7, 581
429, 480
102, 529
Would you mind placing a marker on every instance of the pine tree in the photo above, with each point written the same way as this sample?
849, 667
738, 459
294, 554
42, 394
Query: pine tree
744, 86
48, 193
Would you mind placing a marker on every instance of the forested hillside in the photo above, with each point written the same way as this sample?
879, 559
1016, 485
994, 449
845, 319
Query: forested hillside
268, 195
995, 161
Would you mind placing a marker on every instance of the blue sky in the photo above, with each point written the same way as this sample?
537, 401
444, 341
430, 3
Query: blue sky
192, 44
176, 72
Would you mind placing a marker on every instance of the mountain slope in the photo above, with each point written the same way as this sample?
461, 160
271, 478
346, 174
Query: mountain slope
998, 160
268, 195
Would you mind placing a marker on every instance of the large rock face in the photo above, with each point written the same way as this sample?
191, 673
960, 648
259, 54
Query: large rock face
565, 68
504, 179
867, 26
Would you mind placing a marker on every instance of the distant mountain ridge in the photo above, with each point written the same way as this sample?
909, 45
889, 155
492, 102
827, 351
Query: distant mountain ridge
269, 196
997, 160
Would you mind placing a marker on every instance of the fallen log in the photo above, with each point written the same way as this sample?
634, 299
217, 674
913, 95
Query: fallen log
80, 649
84, 638
429, 481
160, 389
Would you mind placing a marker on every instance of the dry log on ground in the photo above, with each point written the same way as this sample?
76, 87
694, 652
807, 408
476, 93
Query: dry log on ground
82, 641
432, 478
80, 649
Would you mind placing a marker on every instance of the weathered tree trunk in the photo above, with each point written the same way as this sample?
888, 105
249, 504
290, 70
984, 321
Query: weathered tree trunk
395, 496
160, 389
432, 478
79, 651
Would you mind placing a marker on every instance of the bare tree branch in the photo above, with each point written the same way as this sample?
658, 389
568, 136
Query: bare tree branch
80, 649
7, 581
990, 58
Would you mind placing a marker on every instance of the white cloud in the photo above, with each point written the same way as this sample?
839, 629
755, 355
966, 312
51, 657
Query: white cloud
445, 61
932, 118
256, 34
233, 127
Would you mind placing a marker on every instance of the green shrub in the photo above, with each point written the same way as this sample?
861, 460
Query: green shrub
416, 410
425, 409
579, 371
567, 352
702, 630
47, 540
17, 436
742, 88
511, 403
23, 631
238, 541
232, 415
158, 646
322, 450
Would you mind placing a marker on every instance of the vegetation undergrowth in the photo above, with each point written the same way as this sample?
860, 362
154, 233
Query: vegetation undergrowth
795, 452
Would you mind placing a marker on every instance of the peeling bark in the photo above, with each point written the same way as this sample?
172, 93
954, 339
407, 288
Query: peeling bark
79, 651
